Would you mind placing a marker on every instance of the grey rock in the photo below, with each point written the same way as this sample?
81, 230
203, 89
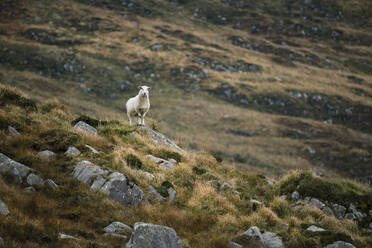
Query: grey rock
266, 239
4, 209
1, 241
30, 189
339, 211
81, 125
340, 244
313, 228
172, 194
65, 236
160, 139
34, 180
370, 225
350, 216
271, 240
51, 184
121, 236
116, 186
318, 172
156, 194
153, 236
92, 149
359, 216
295, 196
316, 203
8, 165
72, 152
162, 162
172, 160
149, 175
234, 245
254, 201
46, 154
328, 211
225, 186
117, 227
12, 131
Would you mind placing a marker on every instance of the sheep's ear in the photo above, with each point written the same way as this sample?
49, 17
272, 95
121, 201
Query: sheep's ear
149, 88
139, 87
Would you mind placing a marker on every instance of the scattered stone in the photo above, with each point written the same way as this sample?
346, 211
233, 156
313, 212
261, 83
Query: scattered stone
162, 162
160, 139
359, 216
12, 131
65, 236
46, 154
340, 244
225, 186
269, 182
156, 194
34, 180
153, 236
92, 149
81, 125
295, 196
118, 227
255, 202
72, 152
350, 216
328, 211
339, 211
172, 194
51, 184
316, 203
266, 239
30, 189
234, 245
313, 228
1, 241
114, 184
4, 209
148, 175
8, 165
172, 160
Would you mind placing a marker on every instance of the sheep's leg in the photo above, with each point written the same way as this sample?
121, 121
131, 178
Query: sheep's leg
143, 119
139, 120
130, 119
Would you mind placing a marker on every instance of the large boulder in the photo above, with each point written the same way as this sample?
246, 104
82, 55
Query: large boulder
114, 184
160, 139
153, 236
18, 170
81, 125
266, 239
340, 244
3, 209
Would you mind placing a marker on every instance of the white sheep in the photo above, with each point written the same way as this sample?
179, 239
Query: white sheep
139, 105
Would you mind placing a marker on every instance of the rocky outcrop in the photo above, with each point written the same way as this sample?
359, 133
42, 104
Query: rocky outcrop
160, 139
115, 184
18, 170
4, 209
156, 194
165, 164
81, 125
153, 236
266, 239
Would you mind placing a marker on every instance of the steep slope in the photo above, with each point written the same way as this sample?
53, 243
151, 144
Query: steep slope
269, 85
214, 202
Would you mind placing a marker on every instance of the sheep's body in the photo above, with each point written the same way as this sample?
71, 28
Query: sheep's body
138, 106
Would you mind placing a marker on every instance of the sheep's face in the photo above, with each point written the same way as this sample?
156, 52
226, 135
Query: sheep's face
144, 91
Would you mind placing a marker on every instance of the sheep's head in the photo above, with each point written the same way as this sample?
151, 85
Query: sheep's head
144, 91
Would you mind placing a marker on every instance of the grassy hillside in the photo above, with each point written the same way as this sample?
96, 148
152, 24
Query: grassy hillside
269, 86
203, 216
